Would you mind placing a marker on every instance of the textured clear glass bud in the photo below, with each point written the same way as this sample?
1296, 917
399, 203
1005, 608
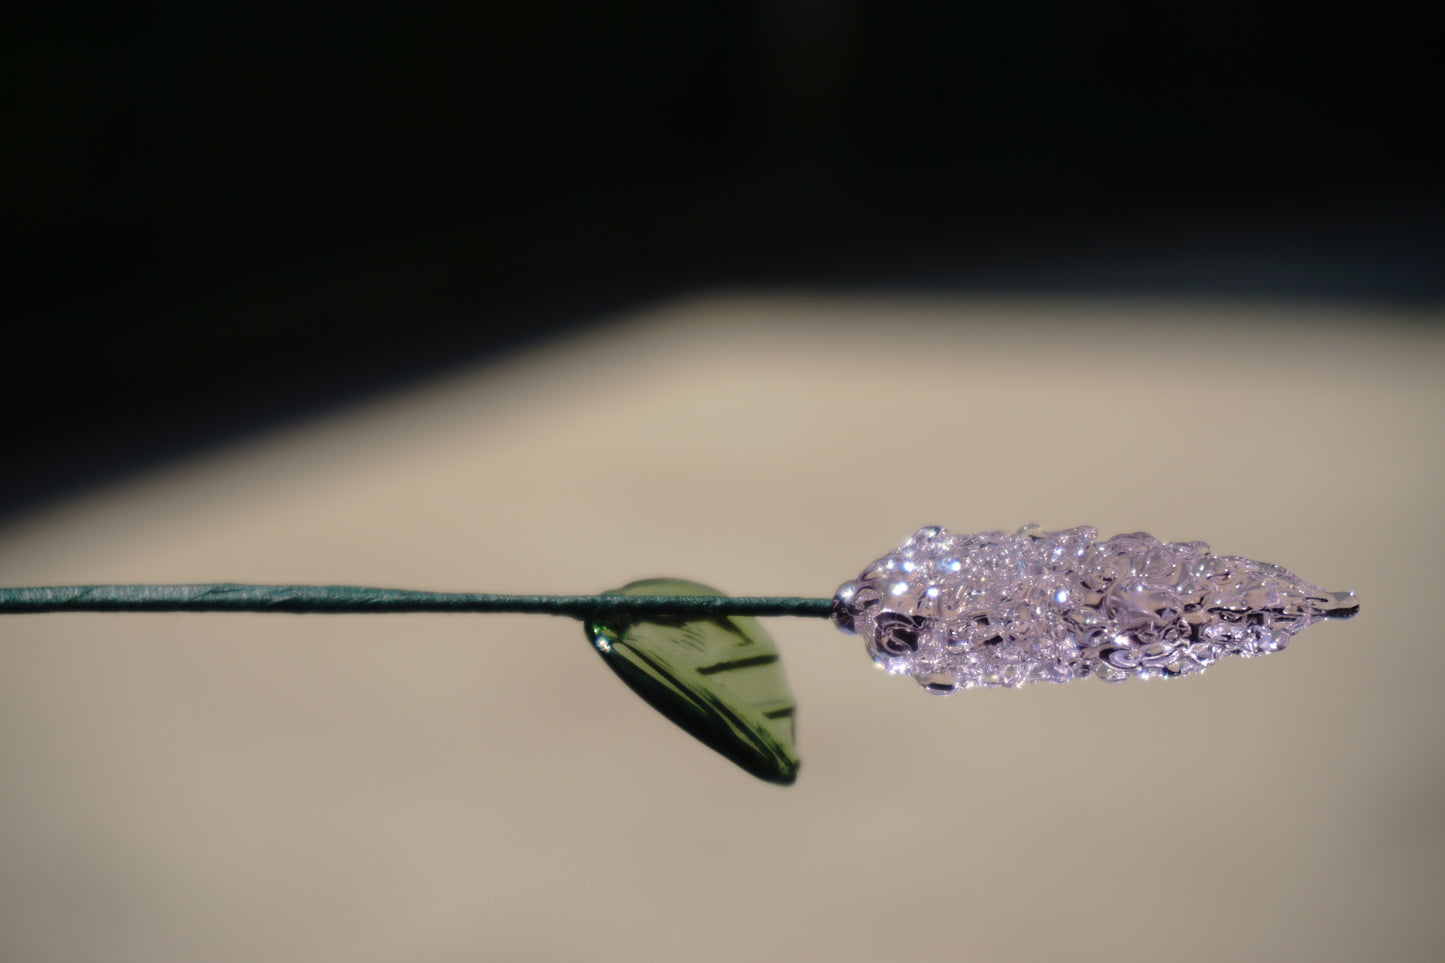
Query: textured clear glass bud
993, 609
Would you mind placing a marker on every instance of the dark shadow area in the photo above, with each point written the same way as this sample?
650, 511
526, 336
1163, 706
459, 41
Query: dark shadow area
219, 220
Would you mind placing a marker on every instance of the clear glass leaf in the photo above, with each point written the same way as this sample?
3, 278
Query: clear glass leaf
718, 677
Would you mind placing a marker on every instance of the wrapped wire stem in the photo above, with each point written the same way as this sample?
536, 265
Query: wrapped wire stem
353, 599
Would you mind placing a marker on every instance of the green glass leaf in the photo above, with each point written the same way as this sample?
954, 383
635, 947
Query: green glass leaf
718, 677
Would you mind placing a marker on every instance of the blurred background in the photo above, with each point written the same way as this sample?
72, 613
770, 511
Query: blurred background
551, 297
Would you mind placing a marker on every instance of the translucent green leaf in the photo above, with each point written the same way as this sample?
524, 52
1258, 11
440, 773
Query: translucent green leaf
718, 677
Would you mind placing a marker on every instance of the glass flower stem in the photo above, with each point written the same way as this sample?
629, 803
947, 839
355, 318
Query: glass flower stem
355, 599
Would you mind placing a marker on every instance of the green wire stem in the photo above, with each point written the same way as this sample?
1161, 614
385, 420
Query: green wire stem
353, 599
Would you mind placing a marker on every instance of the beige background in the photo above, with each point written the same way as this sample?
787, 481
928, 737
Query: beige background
448, 788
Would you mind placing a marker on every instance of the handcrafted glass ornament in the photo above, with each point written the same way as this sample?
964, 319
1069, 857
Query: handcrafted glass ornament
994, 609
952, 611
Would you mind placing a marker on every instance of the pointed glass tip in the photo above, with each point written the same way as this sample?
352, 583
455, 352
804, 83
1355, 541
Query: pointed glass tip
1340, 605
